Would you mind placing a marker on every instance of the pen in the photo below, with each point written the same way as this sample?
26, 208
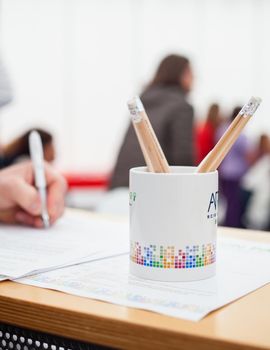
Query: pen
152, 152
36, 153
214, 158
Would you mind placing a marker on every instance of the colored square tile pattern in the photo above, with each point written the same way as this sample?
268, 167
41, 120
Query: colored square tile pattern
171, 258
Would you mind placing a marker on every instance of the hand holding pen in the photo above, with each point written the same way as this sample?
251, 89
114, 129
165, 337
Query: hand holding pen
20, 201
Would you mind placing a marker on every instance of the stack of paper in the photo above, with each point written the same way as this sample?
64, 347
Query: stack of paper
239, 271
73, 239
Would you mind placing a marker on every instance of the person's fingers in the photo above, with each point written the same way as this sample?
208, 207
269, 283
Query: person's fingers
52, 175
24, 195
56, 189
8, 216
26, 219
38, 222
18, 216
18, 191
56, 202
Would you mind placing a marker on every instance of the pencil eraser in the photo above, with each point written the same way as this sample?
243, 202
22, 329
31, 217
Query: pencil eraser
250, 108
135, 106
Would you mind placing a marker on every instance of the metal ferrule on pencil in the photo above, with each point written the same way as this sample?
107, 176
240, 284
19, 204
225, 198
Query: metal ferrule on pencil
250, 108
135, 106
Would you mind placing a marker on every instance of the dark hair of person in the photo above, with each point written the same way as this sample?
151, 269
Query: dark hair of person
20, 146
213, 114
264, 144
170, 70
235, 112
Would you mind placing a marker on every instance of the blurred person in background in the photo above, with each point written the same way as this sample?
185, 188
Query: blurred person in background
171, 116
256, 182
206, 132
19, 148
6, 96
19, 200
231, 171
263, 147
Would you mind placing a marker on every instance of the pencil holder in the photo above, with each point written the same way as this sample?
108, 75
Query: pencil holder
173, 224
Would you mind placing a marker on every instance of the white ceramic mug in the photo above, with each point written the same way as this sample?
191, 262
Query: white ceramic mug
173, 224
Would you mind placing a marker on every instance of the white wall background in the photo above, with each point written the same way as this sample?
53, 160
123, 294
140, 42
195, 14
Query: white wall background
74, 63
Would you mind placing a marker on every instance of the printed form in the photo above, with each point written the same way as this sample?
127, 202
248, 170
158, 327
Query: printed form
239, 272
72, 239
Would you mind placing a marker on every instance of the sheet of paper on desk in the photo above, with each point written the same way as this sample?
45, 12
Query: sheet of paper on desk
71, 240
240, 270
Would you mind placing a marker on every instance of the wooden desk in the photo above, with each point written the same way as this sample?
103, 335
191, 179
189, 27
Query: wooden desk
244, 324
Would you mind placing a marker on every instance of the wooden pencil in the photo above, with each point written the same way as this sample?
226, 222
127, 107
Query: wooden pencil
214, 158
152, 152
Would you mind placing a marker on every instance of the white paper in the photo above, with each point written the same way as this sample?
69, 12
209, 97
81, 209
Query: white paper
71, 240
242, 267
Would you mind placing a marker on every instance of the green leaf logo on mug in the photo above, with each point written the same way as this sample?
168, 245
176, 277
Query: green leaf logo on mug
132, 197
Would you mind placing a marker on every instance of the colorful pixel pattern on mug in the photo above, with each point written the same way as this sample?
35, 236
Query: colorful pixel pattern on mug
172, 258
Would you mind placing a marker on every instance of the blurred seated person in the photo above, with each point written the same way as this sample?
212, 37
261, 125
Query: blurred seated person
6, 96
170, 115
231, 171
206, 132
19, 148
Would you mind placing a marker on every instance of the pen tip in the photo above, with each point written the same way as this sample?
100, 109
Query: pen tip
46, 221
